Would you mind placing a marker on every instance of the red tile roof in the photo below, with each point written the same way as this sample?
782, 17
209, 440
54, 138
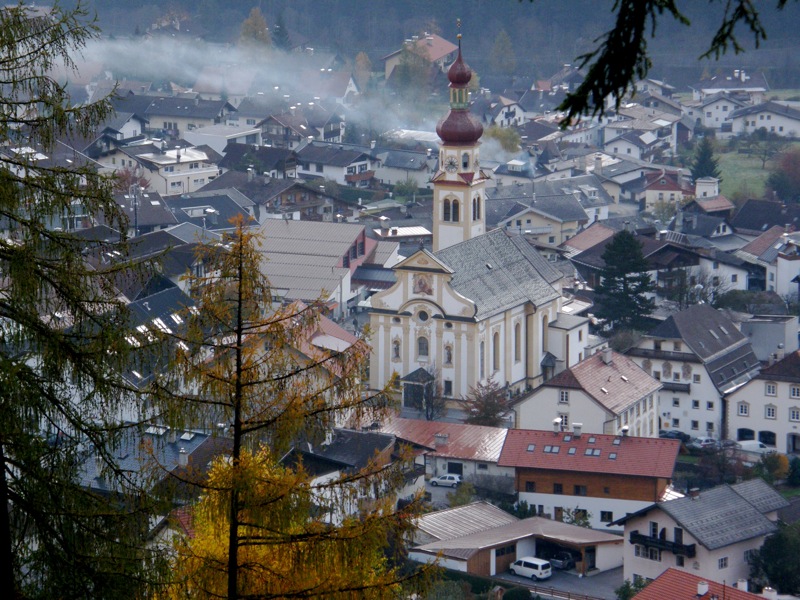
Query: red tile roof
760, 245
636, 456
680, 585
589, 237
183, 518
468, 442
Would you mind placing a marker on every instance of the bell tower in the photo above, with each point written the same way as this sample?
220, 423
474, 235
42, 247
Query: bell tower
458, 185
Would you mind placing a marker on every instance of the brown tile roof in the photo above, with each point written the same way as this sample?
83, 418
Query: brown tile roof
680, 585
760, 245
614, 385
635, 456
468, 442
787, 369
589, 237
433, 47
715, 203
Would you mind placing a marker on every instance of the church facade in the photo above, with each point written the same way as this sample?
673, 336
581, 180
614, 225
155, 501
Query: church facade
483, 305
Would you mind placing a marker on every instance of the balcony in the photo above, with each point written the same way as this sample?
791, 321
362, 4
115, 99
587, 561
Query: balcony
362, 176
687, 550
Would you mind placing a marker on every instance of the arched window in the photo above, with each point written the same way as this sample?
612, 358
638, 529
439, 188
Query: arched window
422, 347
465, 160
545, 323
446, 210
476, 208
517, 342
482, 360
496, 352
455, 218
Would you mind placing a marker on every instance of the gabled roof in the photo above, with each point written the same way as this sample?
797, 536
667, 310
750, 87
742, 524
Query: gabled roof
736, 80
463, 520
612, 455
456, 440
786, 369
677, 584
263, 157
770, 106
354, 449
557, 202
497, 272
720, 516
763, 247
465, 546
596, 233
433, 47
714, 204
756, 216
332, 155
614, 385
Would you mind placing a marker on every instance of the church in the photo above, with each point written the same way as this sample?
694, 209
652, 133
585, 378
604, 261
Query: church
482, 305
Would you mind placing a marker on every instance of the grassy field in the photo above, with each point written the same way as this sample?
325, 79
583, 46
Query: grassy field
742, 175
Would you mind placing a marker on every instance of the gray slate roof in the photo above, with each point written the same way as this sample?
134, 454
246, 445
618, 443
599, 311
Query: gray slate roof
761, 495
499, 272
719, 517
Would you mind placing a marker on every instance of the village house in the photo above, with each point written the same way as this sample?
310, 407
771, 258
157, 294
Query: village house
700, 356
603, 393
767, 408
596, 477
680, 585
430, 47
775, 117
750, 86
346, 165
710, 534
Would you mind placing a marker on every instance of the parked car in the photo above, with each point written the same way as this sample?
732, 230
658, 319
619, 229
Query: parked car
705, 444
446, 480
674, 434
561, 560
530, 566
755, 447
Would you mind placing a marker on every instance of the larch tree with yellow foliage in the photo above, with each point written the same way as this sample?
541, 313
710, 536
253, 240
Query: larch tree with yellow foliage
263, 528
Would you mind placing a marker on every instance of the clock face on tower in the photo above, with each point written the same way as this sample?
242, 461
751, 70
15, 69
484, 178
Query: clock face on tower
451, 164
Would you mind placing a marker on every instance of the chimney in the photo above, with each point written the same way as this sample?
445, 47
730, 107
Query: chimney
598, 164
372, 144
702, 588
250, 173
770, 593
576, 429
625, 429
428, 153
607, 356
741, 584
440, 439
556, 425
183, 458
694, 493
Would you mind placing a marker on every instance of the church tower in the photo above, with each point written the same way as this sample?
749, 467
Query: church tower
458, 186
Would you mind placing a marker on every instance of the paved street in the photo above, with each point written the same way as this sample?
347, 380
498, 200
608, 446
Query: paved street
601, 585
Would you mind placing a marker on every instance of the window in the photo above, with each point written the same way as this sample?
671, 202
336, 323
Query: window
579, 490
169, 169
679, 561
654, 554
770, 389
530, 486
517, 342
194, 165
695, 425
454, 213
482, 359
558, 488
676, 376
319, 168
794, 413
476, 208
696, 378
722, 563
770, 411
563, 397
506, 550
551, 239
709, 426
676, 402
422, 347
564, 421
676, 346
396, 349
448, 391
447, 210
710, 405
606, 516
657, 375
750, 554
743, 409
695, 403
496, 351
678, 535
653, 529
676, 423
734, 278
465, 160
794, 391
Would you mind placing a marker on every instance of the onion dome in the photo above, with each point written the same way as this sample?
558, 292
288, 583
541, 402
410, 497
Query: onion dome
459, 72
459, 126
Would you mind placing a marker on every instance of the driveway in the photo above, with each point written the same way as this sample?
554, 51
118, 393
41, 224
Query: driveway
601, 585
438, 495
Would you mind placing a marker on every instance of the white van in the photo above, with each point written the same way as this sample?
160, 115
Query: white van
754, 446
530, 566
